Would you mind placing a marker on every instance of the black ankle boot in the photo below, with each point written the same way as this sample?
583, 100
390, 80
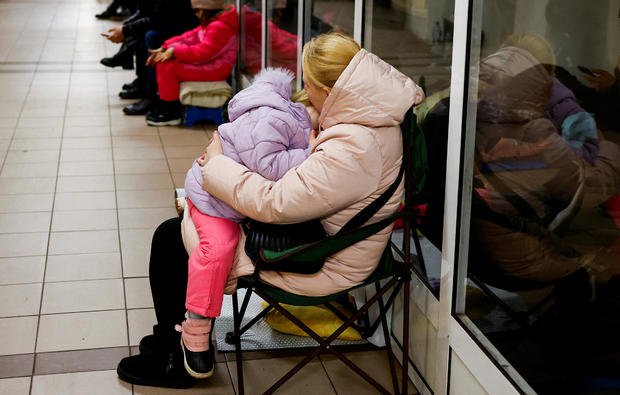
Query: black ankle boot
123, 58
167, 113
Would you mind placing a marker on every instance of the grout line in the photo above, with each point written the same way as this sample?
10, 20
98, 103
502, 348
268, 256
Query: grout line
68, 89
327, 374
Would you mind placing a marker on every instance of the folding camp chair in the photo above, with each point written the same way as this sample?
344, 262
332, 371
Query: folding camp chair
396, 274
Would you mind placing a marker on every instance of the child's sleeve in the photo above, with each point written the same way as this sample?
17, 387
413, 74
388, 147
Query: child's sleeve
270, 156
217, 35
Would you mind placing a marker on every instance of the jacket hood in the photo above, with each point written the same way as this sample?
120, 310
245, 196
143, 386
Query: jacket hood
514, 87
230, 18
355, 99
272, 88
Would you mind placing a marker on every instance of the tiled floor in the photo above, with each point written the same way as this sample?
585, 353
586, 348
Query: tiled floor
82, 187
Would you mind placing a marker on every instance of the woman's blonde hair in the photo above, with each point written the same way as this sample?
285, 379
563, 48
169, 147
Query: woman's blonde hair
326, 56
301, 96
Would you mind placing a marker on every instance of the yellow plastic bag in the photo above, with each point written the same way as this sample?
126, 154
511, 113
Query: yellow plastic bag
318, 318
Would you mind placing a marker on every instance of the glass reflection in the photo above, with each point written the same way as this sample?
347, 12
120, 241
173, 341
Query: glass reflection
544, 254
282, 34
251, 43
416, 38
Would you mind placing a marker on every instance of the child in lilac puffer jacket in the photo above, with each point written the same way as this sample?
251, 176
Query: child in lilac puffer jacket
269, 134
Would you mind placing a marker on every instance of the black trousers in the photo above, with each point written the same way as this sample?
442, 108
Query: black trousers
168, 278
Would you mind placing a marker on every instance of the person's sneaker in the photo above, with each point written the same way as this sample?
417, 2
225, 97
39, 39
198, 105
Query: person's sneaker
139, 108
164, 117
157, 370
198, 355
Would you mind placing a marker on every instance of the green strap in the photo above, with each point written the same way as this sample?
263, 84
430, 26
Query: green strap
323, 248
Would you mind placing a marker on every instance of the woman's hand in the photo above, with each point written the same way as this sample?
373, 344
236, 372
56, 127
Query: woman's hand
214, 149
159, 55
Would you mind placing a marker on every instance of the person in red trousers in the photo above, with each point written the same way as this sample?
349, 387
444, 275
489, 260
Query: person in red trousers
206, 53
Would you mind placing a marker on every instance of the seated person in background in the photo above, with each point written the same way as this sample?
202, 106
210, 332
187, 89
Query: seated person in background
206, 53
524, 169
153, 23
357, 155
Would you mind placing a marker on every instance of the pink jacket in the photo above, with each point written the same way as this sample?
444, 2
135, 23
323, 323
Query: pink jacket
213, 47
356, 157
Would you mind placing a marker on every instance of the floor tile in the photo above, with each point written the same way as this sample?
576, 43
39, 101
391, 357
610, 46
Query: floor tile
78, 331
123, 153
15, 386
138, 293
17, 365
90, 142
22, 270
18, 335
87, 168
86, 131
14, 186
127, 182
144, 218
180, 165
20, 299
29, 156
191, 138
92, 383
79, 361
219, 383
74, 296
141, 323
144, 198
85, 184
23, 170
259, 375
83, 220
184, 152
375, 363
136, 248
35, 144
42, 132
84, 155
83, 267
25, 222
26, 203
85, 201
144, 166
149, 141
25, 244
64, 243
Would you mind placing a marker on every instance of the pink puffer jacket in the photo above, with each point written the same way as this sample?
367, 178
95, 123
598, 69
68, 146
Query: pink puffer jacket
356, 157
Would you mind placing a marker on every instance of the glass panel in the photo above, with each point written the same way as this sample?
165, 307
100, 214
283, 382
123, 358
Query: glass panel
416, 38
544, 110
251, 44
330, 16
282, 34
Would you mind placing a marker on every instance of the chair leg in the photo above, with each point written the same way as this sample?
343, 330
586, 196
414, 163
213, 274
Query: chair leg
407, 281
237, 324
386, 337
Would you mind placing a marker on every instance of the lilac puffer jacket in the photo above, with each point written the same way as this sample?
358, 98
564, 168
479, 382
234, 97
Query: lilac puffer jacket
268, 134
